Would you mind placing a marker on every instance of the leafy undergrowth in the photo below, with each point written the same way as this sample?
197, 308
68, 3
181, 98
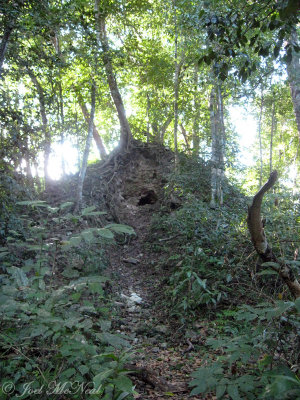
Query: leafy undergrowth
223, 322
55, 307
252, 351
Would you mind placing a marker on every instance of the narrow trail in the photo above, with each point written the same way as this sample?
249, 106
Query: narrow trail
132, 191
157, 352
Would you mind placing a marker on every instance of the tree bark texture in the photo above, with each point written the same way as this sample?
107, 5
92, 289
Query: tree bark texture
96, 135
3, 46
196, 138
273, 130
126, 134
217, 145
164, 127
259, 137
260, 242
86, 150
176, 88
46, 133
293, 70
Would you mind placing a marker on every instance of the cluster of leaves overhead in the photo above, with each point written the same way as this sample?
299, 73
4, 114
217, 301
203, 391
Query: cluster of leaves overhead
53, 53
247, 30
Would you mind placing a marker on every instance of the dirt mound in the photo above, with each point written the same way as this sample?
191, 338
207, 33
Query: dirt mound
129, 186
131, 179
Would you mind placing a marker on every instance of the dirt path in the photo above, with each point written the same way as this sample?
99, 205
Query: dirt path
163, 358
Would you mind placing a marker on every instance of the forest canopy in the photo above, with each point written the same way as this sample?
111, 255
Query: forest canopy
134, 136
167, 72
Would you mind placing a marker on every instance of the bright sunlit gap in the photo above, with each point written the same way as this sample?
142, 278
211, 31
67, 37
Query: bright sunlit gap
243, 122
245, 125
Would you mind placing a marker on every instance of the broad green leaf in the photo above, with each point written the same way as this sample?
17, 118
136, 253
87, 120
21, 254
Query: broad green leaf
83, 369
114, 340
68, 373
37, 203
221, 389
3, 254
123, 396
267, 272
96, 287
271, 264
75, 240
105, 325
87, 210
120, 228
70, 273
66, 204
233, 392
53, 210
106, 233
102, 376
123, 383
19, 276
297, 304
88, 236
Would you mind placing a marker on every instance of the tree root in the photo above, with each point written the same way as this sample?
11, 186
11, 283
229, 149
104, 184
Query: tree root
259, 240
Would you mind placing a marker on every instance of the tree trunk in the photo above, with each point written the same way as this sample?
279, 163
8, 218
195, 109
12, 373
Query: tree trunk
184, 134
96, 135
293, 70
260, 242
3, 46
126, 134
196, 138
176, 90
148, 118
259, 136
164, 127
62, 127
217, 146
56, 45
86, 151
47, 135
273, 129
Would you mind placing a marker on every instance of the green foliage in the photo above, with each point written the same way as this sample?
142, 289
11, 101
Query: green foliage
256, 356
204, 269
55, 311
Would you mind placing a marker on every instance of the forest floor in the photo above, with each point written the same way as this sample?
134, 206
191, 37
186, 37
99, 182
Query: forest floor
164, 354
159, 348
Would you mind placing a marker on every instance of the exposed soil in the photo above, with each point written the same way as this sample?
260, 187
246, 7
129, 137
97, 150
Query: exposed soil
131, 188
161, 352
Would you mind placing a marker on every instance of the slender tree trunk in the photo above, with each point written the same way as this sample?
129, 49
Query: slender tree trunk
27, 161
3, 45
176, 87
293, 70
47, 135
217, 146
56, 45
86, 151
62, 127
196, 138
148, 118
259, 137
164, 127
184, 134
126, 134
273, 129
96, 135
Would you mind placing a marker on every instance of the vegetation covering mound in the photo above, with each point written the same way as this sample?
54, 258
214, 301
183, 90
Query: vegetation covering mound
142, 267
